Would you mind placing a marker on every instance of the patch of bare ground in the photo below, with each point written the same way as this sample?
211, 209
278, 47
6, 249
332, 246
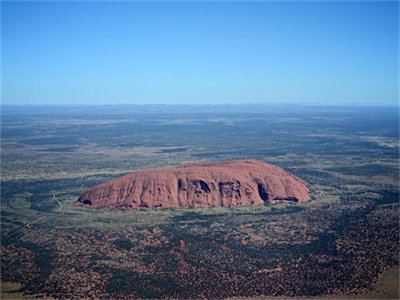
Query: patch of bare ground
12, 290
387, 287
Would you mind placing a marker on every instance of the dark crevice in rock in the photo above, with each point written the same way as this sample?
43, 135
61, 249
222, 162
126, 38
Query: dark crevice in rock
202, 185
261, 191
292, 199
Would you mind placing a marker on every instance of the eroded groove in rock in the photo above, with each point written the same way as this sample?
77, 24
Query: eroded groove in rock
262, 193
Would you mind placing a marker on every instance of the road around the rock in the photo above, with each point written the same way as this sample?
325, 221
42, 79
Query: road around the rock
43, 217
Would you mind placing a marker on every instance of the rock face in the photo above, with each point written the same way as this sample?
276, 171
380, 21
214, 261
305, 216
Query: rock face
233, 183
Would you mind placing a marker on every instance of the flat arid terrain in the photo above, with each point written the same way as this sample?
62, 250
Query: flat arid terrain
343, 243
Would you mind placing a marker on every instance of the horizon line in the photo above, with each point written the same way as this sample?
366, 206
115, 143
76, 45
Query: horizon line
212, 104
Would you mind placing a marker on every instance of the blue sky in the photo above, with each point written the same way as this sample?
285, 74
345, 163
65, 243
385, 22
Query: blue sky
199, 52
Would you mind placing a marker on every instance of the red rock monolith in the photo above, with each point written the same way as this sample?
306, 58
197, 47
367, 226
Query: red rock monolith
232, 183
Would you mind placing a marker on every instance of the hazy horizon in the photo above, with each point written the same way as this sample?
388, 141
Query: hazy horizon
316, 104
195, 53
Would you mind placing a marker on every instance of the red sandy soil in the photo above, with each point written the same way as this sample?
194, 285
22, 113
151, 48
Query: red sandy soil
233, 183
